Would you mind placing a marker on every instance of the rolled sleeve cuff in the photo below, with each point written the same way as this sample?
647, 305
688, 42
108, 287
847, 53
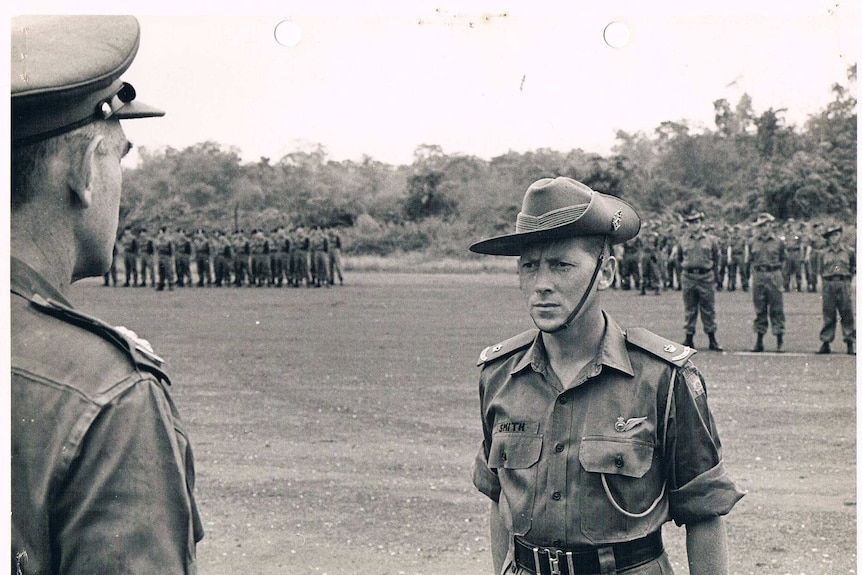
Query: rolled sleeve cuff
710, 494
484, 479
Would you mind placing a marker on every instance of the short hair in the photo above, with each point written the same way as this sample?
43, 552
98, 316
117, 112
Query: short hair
27, 159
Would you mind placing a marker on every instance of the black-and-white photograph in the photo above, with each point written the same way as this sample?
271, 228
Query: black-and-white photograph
432, 288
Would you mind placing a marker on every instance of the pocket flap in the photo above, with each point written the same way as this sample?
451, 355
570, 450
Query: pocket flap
627, 457
514, 451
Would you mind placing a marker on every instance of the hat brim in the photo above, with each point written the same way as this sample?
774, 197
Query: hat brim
612, 217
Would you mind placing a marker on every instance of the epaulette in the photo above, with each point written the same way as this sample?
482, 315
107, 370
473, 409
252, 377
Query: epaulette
659, 346
138, 349
508, 346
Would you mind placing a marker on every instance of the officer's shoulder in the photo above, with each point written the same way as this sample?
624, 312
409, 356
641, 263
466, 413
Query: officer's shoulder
507, 347
661, 347
137, 352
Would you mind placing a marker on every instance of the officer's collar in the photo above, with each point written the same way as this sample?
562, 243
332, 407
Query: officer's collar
26, 282
612, 351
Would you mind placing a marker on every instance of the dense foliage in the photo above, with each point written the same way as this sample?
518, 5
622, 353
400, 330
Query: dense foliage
748, 163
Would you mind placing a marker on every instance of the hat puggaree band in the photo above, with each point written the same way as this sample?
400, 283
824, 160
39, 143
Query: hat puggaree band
560, 208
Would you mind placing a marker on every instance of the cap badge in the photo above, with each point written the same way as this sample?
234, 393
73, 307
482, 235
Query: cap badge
617, 221
670, 348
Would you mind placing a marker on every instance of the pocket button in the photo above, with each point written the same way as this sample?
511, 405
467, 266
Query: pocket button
619, 461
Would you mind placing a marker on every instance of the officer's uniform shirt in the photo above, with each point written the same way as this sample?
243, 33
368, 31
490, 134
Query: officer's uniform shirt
548, 445
94, 432
838, 262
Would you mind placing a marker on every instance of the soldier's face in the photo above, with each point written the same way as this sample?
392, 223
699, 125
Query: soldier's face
555, 275
100, 220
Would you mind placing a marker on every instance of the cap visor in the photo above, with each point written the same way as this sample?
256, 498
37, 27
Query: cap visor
136, 109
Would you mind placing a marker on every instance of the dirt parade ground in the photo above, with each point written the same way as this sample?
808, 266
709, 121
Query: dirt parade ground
334, 428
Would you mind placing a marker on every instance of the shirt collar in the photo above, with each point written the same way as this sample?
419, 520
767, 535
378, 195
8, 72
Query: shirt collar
26, 282
612, 351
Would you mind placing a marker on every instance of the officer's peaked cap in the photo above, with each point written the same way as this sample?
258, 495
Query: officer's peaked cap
66, 73
561, 208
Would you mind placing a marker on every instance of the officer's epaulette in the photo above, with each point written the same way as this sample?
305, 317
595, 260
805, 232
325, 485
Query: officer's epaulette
659, 346
508, 346
139, 350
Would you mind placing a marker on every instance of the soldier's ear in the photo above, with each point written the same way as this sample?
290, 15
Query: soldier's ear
607, 273
81, 172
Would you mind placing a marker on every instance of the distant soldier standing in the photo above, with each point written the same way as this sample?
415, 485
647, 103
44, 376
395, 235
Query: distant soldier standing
335, 258
736, 259
241, 254
183, 257
130, 256
815, 255
165, 249
722, 239
839, 267
766, 255
697, 253
223, 259
148, 257
795, 255
203, 252
320, 257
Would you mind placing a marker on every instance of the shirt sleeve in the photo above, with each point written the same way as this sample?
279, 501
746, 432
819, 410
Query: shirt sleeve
126, 504
484, 478
699, 486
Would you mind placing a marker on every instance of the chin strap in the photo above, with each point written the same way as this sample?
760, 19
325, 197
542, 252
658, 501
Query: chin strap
577, 309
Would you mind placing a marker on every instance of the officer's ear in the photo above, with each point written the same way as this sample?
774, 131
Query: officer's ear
607, 273
81, 169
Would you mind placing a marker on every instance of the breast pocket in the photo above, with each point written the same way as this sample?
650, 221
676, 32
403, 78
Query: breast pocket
623, 487
515, 458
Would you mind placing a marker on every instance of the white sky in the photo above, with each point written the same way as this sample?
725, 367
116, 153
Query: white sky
475, 78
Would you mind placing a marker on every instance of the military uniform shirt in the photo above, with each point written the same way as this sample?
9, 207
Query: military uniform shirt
102, 471
767, 251
698, 250
548, 448
838, 261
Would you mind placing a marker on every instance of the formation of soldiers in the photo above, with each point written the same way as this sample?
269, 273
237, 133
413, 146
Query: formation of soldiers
281, 257
651, 263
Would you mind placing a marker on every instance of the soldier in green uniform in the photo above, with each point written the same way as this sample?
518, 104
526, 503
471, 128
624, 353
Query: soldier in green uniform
839, 267
766, 256
594, 436
101, 475
697, 253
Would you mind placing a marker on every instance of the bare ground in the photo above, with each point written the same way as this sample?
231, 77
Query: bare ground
334, 429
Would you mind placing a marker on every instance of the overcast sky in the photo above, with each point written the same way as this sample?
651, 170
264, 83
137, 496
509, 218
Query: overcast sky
476, 78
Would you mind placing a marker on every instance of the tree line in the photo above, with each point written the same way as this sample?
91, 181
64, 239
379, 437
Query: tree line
750, 161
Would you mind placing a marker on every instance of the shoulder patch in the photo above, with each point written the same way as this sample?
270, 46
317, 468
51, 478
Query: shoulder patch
139, 350
693, 381
659, 346
508, 346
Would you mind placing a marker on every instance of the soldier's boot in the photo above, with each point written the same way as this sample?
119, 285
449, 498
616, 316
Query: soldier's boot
824, 349
713, 343
779, 343
758, 346
689, 340
850, 349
